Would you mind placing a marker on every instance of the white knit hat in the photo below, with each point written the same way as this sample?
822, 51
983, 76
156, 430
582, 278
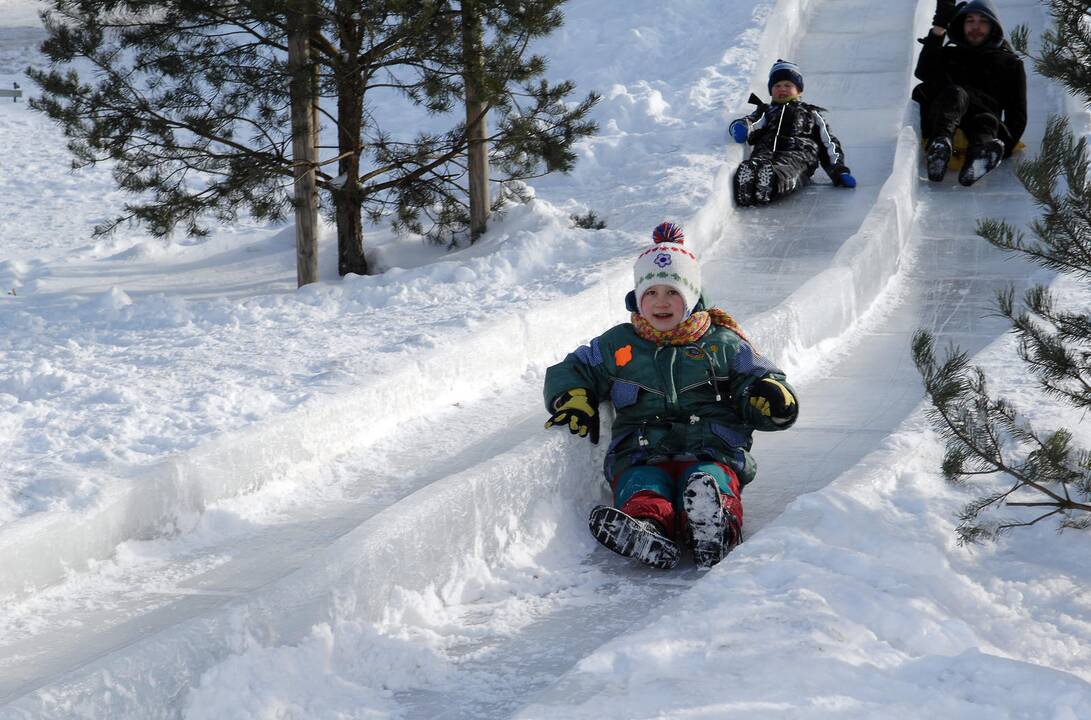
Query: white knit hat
668, 262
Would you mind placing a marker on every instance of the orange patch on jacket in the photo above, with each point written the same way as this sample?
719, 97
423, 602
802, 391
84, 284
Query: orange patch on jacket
623, 355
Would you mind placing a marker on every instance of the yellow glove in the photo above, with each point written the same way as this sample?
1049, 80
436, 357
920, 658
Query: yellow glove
575, 409
773, 400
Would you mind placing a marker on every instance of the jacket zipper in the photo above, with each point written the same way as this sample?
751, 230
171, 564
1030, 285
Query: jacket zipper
780, 121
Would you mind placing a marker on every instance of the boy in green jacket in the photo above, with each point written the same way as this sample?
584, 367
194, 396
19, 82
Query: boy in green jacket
688, 391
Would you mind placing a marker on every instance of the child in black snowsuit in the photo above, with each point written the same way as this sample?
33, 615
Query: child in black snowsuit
790, 139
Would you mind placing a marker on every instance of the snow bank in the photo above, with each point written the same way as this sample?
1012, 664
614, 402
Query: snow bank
440, 534
447, 543
398, 386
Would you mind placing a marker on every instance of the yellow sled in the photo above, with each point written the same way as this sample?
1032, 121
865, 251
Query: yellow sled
958, 149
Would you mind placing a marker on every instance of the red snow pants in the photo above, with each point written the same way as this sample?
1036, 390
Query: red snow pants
655, 492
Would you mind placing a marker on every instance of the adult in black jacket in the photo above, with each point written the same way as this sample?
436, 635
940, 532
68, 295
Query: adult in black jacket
976, 82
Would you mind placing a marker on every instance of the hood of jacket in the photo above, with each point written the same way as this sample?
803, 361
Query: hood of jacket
956, 32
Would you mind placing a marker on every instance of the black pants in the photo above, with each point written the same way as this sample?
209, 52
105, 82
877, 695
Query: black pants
791, 169
946, 108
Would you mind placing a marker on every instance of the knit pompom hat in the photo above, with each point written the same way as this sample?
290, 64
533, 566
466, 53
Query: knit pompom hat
785, 70
668, 262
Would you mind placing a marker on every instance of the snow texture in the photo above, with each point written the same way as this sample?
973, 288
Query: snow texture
223, 497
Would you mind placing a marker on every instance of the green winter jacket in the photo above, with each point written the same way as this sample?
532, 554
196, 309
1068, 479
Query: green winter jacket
665, 398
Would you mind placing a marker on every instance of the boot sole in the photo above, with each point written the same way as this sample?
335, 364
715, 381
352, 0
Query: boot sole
978, 168
744, 178
763, 186
707, 521
627, 537
937, 165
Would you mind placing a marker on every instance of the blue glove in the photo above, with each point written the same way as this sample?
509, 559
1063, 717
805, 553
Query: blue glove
846, 180
739, 130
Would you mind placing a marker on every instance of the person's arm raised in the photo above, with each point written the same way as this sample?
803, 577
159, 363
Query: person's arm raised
945, 12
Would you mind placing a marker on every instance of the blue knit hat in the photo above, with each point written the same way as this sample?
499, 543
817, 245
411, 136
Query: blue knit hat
785, 70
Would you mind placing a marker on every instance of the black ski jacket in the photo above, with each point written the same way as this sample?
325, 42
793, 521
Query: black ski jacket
991, 73
796, 126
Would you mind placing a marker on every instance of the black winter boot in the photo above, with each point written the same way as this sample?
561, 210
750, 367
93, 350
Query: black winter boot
980, 161
937, 156
711, 530
642, 539
763, 185
744, 185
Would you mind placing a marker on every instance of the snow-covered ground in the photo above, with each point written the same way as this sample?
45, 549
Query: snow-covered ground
223, 497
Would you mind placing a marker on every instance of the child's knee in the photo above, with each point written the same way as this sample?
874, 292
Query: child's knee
641, 478
726, 478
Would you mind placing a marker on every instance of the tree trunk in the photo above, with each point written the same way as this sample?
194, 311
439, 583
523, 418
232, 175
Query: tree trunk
304, 94
476, 120
347, 199
316, 116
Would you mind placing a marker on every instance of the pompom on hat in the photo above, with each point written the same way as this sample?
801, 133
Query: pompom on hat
785, 70
668, 262
668, 232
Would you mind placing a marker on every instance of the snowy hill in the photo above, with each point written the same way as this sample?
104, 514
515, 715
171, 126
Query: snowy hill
223, 497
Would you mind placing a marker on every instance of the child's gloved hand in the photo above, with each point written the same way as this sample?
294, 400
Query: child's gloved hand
776, 402
845, 180
739, 130
575, 409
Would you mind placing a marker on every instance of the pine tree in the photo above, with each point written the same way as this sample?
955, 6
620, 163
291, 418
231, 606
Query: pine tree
190, 101
985, 434
500, 83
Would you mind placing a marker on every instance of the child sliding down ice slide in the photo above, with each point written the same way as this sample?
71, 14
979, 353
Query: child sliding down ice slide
688, 390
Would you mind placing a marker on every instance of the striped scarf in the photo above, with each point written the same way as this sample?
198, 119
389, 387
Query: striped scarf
689, 330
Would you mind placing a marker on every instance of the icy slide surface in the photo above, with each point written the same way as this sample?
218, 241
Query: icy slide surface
424, 542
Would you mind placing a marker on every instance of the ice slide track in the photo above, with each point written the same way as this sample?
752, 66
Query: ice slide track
374, 551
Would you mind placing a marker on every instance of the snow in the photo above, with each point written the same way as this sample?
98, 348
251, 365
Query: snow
223, 497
